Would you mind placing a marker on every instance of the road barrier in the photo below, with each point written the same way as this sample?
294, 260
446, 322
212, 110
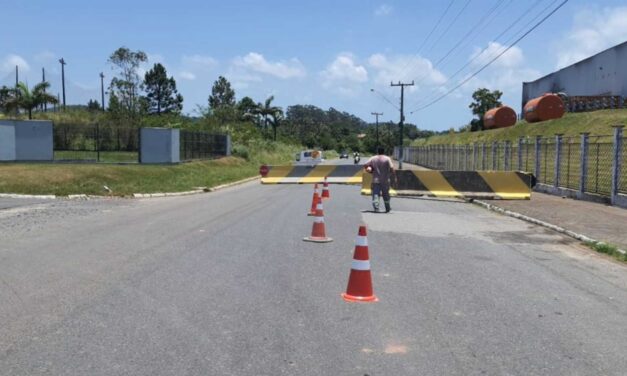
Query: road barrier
506, 185
342, 174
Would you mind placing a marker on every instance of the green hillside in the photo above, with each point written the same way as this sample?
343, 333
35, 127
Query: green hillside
572, 124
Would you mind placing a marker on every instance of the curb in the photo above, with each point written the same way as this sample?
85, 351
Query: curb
196, 191
538, 222
134, 195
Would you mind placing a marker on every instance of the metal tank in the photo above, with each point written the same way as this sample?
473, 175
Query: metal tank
547, 107
499, 117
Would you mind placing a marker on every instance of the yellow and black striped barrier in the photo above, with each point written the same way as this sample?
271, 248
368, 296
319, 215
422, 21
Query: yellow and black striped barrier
335, 174
505, 185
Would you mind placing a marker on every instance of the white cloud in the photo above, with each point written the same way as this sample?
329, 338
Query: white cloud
344, 74
199, 60
405, 68
185, 75
9, 62
512, 58
383, 10
257, 63
45, 56
593, 30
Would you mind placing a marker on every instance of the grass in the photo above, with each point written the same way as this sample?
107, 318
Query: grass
607, 249
92, 156
66, 178
572, 124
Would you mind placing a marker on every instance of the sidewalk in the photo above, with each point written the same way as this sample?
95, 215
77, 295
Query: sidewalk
598, 221
601, 222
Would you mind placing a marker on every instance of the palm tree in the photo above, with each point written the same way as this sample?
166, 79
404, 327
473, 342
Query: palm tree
266, 110
30, 99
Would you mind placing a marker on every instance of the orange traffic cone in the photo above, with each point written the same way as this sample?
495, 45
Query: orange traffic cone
318, 233
360, 282
314, 201
325, 189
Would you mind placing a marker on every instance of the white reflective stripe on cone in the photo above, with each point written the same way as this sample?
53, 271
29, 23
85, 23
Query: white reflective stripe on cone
319, 219
361, 241
360, 265
319, 207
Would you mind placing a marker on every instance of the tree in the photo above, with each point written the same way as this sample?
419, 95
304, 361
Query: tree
221, 94
247, 109
275, 113
30, 99
5, 94
161, 92
127, 85
93, 105
484, 100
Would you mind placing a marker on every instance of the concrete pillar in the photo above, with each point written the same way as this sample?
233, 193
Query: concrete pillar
558, 159
583, 164
616, 162
506, 154
536, 168
521, 143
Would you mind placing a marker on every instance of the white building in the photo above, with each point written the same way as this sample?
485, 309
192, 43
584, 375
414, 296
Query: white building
602, 74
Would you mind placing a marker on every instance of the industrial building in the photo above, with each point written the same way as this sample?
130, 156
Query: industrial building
601, 75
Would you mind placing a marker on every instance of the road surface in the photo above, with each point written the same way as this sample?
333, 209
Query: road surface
222, 284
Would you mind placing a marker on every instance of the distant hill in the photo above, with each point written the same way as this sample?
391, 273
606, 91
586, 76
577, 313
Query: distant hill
572, 124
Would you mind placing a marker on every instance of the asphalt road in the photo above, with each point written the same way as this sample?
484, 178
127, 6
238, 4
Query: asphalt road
222, 284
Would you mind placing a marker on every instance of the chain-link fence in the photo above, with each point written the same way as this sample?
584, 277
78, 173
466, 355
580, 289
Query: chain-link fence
202, 145
587, 164
95, 143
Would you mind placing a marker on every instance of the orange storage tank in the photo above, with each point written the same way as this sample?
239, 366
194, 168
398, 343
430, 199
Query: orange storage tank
499, 117
546, 107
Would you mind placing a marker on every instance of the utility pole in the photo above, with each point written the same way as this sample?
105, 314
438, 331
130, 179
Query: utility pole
400, 149
43, 79
377, 114
63, 79
102, 90
17, 91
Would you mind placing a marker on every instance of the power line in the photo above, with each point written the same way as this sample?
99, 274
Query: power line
428, 36
450, 25
468, 33
385, 98
434, 90
493, 60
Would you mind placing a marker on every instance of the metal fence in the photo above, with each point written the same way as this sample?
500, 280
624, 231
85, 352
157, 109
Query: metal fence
202, 145
586, 164
95, 143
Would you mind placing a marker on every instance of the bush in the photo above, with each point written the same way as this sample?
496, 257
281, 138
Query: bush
240, 151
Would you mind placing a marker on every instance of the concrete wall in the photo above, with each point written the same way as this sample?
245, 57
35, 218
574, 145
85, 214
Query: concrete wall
7, 142
29, 140
160, 145
602, 74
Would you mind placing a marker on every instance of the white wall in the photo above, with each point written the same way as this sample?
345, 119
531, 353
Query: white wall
602, 74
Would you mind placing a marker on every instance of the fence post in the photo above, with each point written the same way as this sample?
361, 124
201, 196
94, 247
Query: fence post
494, 160
583, 164
618, 140
558, 159
474, 156
520, 153
508, 151
465, 158
537, 158
483, 156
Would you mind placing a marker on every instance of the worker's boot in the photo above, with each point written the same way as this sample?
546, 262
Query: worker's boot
387, 207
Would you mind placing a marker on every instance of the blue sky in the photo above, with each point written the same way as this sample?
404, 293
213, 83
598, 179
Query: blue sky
325, 53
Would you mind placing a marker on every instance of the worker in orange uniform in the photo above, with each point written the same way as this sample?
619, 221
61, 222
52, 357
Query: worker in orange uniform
382, 170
